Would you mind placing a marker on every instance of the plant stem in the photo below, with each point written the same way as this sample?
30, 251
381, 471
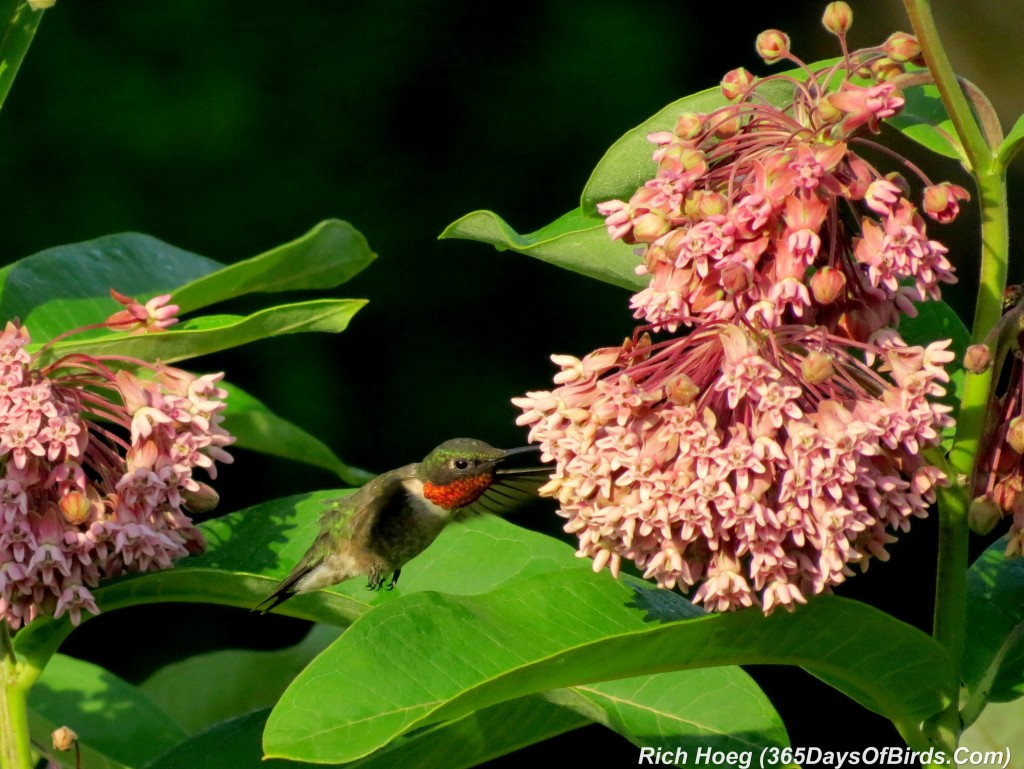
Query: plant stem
15, 748
951, 576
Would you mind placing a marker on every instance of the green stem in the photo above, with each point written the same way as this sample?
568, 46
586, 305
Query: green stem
951, 576
15, 747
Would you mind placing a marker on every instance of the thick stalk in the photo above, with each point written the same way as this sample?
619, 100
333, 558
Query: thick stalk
951, 576
15, 748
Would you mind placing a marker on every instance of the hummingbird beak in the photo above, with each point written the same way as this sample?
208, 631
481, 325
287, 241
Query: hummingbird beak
519, 450
502, 470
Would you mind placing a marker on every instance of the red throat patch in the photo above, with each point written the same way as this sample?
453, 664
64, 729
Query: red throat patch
456, 494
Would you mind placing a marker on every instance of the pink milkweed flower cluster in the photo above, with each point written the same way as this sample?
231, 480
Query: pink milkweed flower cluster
780, 441
96, 469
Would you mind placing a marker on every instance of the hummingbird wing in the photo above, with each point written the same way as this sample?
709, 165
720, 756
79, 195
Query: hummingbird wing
512, 488
345, 530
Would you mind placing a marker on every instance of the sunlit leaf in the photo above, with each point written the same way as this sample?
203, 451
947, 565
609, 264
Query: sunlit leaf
213, 333
68, 286
573, 628
465, 742
996, 733
326, 256
575, 242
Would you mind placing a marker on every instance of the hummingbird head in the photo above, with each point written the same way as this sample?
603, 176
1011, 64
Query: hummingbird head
459, 471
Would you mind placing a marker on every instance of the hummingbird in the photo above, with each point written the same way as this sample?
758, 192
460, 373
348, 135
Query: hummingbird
395, 516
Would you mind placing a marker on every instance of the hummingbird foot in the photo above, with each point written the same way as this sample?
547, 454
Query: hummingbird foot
394, 579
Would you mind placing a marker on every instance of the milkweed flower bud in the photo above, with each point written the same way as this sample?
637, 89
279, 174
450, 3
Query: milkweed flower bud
828, 285
941, 201
772, 45
983, 515
838, 18
1015, 434
63, 738
901, 47
817, 367
736, 82
978, 358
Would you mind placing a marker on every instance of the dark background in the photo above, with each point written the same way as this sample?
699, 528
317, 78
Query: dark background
228, 128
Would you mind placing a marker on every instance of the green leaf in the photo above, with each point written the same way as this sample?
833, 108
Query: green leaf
575, 241
117, 725
998, 729
213, 333
1011, 144
20, 23
465, 742
573, 628
68, 286
628, 164
993, 668
258, 428
718, 708
326, 256
233, 744
925, 120
245, 680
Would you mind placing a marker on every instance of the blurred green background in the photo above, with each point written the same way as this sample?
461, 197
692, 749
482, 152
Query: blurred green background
227, 128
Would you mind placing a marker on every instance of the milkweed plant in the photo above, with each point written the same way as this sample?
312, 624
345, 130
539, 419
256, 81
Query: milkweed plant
794, 396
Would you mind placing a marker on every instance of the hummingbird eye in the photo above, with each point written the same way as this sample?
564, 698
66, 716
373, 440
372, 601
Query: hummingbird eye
460, 464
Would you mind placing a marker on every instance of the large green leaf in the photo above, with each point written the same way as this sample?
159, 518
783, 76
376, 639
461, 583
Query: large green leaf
68, 286
465, 742
326, 256
117, 725
575, 241
245, 680
213, 333
997, 733
719, 708
249, 551
257, 428
993, 668
627, 164
573, 628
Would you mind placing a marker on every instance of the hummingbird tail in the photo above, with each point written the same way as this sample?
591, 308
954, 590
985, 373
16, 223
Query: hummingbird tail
283, 591
272, 601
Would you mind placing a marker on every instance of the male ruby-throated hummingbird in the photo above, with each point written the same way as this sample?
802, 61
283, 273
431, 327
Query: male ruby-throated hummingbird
395, 516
